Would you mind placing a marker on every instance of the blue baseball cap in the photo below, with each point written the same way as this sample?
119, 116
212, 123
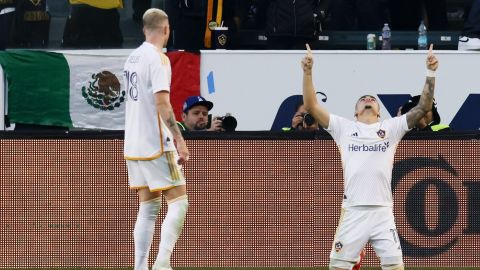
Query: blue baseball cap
195, 101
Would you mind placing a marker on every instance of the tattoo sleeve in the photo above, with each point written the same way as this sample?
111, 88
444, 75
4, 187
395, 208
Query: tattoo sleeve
172, 124
424, 105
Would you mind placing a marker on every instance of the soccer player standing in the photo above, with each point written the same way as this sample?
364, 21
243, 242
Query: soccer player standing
154, 165
367, 147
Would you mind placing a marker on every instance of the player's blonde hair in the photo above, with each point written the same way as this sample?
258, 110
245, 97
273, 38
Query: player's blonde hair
154, 18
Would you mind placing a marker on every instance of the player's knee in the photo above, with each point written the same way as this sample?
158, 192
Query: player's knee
179, 204
336, 264
392, 267
150, 209
392, 263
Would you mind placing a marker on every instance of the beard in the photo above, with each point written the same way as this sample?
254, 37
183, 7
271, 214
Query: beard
200, 126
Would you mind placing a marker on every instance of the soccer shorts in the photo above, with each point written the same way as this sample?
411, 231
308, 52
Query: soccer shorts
159, 174
361, 224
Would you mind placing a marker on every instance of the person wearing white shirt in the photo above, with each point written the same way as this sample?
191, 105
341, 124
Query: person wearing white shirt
367, 147
151, 131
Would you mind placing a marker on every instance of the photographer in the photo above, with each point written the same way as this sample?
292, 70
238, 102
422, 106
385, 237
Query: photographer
196, 118
302, 121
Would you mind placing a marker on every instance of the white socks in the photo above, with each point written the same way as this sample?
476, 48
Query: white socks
171, 228
143, 232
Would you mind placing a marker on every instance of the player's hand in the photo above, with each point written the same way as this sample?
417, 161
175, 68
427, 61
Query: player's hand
297, 120
216, 125
307, 62
183, 153
432, 61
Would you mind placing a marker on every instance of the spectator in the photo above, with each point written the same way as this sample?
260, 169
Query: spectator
358, 14
406, 14
430, 121
32, 24
193, 21
7, 14
470, 39
93, 24
290, 24
301, 120
195, 116
139, 7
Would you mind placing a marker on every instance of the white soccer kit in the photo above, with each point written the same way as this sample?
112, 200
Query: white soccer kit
367, 153
146, 72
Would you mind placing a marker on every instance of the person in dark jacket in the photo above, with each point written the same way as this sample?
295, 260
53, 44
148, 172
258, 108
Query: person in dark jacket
32, 24
290, 24
431, 120
192, 22
7, 15
362, 15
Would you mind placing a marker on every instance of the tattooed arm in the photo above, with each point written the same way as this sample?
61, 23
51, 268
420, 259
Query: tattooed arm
424, 105
164, 108
426, 99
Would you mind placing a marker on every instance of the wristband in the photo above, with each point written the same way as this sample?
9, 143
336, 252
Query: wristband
430, 73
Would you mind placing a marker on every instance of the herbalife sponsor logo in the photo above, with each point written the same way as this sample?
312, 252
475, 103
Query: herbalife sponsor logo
103, 91
379, 147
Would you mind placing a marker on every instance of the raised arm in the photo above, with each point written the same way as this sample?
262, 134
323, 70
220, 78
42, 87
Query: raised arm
164, 108
309, 97
426, 99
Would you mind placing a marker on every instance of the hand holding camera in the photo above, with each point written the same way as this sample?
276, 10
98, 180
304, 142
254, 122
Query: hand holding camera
215, 125
224, 123
303, 121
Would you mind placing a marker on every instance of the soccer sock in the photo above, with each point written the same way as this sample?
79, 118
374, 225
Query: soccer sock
171, 228
143, 232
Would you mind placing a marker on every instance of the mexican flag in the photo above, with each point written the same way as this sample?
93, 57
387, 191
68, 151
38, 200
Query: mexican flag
79, 89
84, 88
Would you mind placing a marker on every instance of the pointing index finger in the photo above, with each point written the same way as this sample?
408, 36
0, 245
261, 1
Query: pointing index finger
430, 50
309, 51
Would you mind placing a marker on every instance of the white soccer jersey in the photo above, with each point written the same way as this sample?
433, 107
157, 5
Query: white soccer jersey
146, 71
367, 153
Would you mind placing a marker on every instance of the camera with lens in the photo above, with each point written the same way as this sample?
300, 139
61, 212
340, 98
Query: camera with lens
308, 119
229, 123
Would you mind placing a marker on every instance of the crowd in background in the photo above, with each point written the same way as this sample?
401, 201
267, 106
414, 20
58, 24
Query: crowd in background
285, 24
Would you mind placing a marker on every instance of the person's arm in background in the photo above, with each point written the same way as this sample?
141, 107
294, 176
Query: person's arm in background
426, 99
164, 108
309, 97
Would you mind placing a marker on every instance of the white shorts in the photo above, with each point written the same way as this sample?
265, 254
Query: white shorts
361, 224
159, 174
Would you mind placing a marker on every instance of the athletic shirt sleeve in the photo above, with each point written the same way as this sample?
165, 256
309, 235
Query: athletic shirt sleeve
336, 125
398, 127
160, 73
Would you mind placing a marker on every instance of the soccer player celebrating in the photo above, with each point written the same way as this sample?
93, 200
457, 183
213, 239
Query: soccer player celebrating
153, 161
367, 147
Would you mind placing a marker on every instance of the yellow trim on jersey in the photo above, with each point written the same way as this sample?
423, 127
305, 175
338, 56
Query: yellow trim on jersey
164, 58
161, 189
172, 166
138, 187
159, 120
161, 146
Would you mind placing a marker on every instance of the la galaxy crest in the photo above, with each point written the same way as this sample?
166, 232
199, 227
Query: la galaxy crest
381, 133
338, 246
